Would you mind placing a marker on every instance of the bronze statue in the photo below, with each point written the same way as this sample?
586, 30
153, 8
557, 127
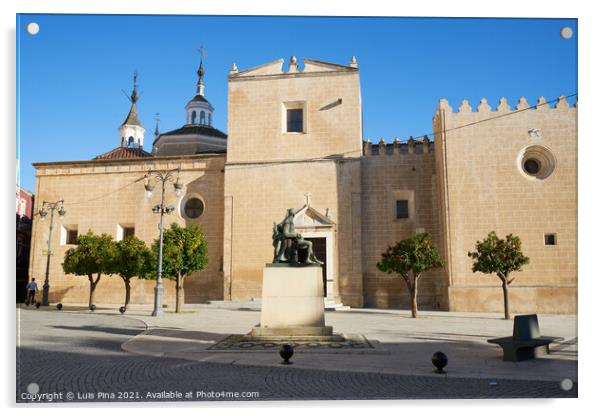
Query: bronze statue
287, 243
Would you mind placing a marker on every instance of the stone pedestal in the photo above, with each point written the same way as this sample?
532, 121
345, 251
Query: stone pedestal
292, 303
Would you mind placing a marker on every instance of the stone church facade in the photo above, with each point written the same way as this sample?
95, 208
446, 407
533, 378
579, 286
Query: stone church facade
295, 141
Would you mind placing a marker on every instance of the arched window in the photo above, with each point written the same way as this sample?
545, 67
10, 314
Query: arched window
193, 117
209, 118
202, 120
130, 141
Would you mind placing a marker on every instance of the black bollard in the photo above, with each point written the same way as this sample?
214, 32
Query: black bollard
93, 307
122, 310
286, 352
439, 360
59, 306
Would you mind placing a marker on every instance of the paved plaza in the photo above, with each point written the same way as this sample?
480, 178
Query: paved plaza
104, 356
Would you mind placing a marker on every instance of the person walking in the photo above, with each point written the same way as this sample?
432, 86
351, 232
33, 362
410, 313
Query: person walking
32, 288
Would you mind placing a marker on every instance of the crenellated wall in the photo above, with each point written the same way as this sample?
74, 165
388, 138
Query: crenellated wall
391, 171
484, 185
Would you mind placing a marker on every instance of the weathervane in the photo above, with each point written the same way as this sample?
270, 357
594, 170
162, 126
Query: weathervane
203, 54
134, 97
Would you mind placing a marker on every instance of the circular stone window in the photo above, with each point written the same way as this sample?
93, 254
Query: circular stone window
532, 166
193, 207
536, 162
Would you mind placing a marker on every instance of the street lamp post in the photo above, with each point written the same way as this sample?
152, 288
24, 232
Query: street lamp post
163, 177
49, 206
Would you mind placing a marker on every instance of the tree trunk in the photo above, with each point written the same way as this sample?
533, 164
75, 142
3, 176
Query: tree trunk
178, 287
413, 294
179, 300
92, 287
127, 292
506, 305
412, 290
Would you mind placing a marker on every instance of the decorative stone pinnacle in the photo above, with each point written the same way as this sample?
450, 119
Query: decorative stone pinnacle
353, 62
444, 105
542, 103
234, 69
522, 104
562, 103
293, 66
465, 107
483, 106
503, 105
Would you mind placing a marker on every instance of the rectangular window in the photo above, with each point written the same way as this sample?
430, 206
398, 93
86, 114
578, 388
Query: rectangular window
124, 231
128, 232
294, 120
402, 209
71, 236
550, 239
68, 234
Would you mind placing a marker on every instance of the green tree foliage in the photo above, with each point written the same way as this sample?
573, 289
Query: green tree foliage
93, 255
499, 256
184, 252
410, 258
133, 258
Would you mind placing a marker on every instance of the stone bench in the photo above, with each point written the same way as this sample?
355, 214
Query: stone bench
525, 343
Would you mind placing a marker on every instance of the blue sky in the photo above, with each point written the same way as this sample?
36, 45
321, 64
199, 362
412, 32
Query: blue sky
70, 75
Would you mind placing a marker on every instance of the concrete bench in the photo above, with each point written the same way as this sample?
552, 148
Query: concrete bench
525, 343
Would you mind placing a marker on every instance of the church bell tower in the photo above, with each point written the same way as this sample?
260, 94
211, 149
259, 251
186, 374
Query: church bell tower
199, 110
131, 130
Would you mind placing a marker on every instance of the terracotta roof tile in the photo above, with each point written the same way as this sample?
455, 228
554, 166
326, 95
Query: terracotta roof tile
124, 153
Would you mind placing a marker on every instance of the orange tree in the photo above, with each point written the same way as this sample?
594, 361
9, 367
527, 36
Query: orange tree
132, 258
499, 256
184, 252
93, 255
410, 258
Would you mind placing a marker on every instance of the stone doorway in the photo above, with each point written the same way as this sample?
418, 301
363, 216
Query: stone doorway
320, 230
319, 246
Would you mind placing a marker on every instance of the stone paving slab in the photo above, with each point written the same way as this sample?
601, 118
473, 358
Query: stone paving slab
403, 345
75, 351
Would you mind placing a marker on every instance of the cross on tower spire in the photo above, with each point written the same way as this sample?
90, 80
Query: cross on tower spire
200, 85
134, 97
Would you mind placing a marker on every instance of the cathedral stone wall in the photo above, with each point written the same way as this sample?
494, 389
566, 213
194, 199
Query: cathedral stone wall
389, 173
259, 195
484, 188
269, 170
100, 195
257, 107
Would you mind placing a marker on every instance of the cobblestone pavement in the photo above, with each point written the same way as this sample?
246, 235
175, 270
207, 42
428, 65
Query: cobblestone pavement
77, 357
